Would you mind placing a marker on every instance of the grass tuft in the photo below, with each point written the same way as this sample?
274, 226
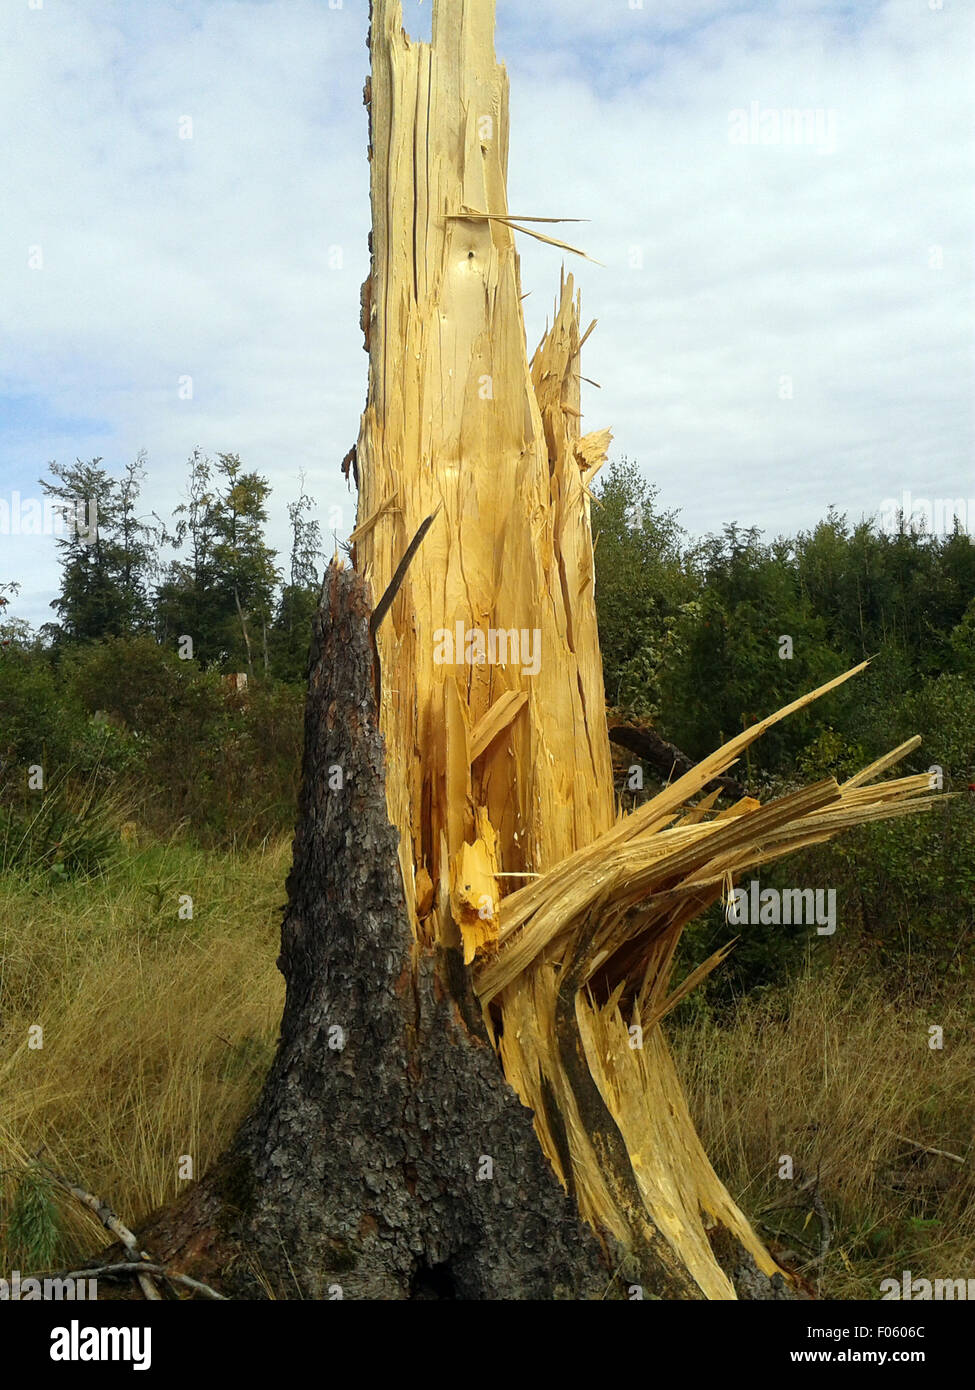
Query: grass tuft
132, 1038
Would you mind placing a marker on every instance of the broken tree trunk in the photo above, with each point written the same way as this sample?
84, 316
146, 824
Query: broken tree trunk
498, 767
498, 762
478, 950
387, 1157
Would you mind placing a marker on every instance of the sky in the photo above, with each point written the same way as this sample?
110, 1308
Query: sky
786, 317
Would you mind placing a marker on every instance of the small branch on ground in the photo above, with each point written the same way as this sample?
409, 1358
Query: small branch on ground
126, 1269
925, 1149
825, 1233
111, 1222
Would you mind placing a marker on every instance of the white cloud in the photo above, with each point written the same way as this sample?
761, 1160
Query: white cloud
210, 256
767, 261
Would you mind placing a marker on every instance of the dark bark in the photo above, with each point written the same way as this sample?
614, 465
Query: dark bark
363, 1167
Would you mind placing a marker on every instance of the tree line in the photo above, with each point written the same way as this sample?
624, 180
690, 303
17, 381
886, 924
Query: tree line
224, 589
704, 637
700, 637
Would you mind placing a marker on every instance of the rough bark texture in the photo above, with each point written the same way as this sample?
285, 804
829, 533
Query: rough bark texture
399, 1162
387, 1156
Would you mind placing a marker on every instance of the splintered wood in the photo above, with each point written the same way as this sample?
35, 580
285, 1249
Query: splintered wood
498, 773
455, 416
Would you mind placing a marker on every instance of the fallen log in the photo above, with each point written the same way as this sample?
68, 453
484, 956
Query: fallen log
665, 758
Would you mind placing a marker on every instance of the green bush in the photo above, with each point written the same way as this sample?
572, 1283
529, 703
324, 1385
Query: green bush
126, 718
39, 721
133, 679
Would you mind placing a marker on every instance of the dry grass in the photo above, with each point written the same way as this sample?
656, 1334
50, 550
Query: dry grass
831, 1072
157, 1031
